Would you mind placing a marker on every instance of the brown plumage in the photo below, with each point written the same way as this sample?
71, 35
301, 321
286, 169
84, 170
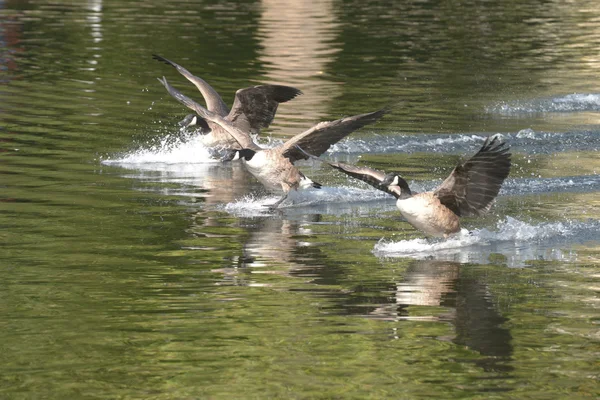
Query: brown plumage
253, 108
469, 190
275, 168
472, 186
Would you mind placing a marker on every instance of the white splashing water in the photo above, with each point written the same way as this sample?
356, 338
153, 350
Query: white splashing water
518, 241
171, 149
326, 199
251, 205
575, 102
406, 143
527, 140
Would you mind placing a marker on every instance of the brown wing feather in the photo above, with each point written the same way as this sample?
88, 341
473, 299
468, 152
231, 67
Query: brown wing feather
183, 99
320, 137
214, 102
472, 186
244, 140
254, 108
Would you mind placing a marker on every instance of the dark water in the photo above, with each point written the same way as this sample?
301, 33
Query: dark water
132, 267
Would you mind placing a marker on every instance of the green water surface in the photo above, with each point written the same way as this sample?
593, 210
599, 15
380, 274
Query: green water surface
120, 283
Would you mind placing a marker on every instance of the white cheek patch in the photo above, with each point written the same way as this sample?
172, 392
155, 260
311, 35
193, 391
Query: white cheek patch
395, 181
305, 183
194, 121
236, 156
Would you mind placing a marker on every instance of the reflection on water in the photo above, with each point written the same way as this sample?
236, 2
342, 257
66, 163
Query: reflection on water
426, 283
10, 38
297, 44
274, 240
273, 246
467, 305
94, 19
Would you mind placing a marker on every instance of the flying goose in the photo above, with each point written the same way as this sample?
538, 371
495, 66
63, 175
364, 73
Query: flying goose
253, 109
274, 167
470, 189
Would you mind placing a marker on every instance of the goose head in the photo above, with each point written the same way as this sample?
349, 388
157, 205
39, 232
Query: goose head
196, 121
246, 154
397, 184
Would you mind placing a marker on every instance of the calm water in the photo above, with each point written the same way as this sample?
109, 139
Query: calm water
133, 267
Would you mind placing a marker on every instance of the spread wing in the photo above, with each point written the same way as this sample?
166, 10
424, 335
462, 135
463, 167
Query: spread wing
213, 118
368, 175
214, 102
254, 107
473, 185
320, 137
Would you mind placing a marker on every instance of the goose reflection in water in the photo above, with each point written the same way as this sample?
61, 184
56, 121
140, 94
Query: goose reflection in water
225, 184
471, 309
211, 183
274, 246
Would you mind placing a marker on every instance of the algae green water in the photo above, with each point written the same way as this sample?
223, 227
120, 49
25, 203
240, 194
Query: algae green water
131, 267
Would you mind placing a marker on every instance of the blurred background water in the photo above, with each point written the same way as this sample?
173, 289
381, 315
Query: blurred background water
132, 266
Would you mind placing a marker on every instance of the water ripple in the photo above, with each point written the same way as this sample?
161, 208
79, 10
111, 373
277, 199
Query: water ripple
582, 183
576, 102
526, 140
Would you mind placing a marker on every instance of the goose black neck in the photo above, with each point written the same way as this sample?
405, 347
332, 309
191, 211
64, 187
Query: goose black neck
406, 193
247, 154
404, 186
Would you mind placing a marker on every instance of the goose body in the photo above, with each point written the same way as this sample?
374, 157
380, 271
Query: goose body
425, 212
276, 172
469, 190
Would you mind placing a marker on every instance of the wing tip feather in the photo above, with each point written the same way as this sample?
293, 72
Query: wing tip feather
162, 59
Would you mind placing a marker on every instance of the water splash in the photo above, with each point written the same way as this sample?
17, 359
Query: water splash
250, 205
526, 141
514, 241
330, 200
408, 143
539, 142
186, 148
575, 102
571, 184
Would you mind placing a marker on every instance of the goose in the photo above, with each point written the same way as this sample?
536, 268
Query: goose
469, 190
274, 167
253, 109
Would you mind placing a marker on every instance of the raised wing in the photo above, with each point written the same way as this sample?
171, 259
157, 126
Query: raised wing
214, 102
254, 107
320, 137
473, 185
242, 138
